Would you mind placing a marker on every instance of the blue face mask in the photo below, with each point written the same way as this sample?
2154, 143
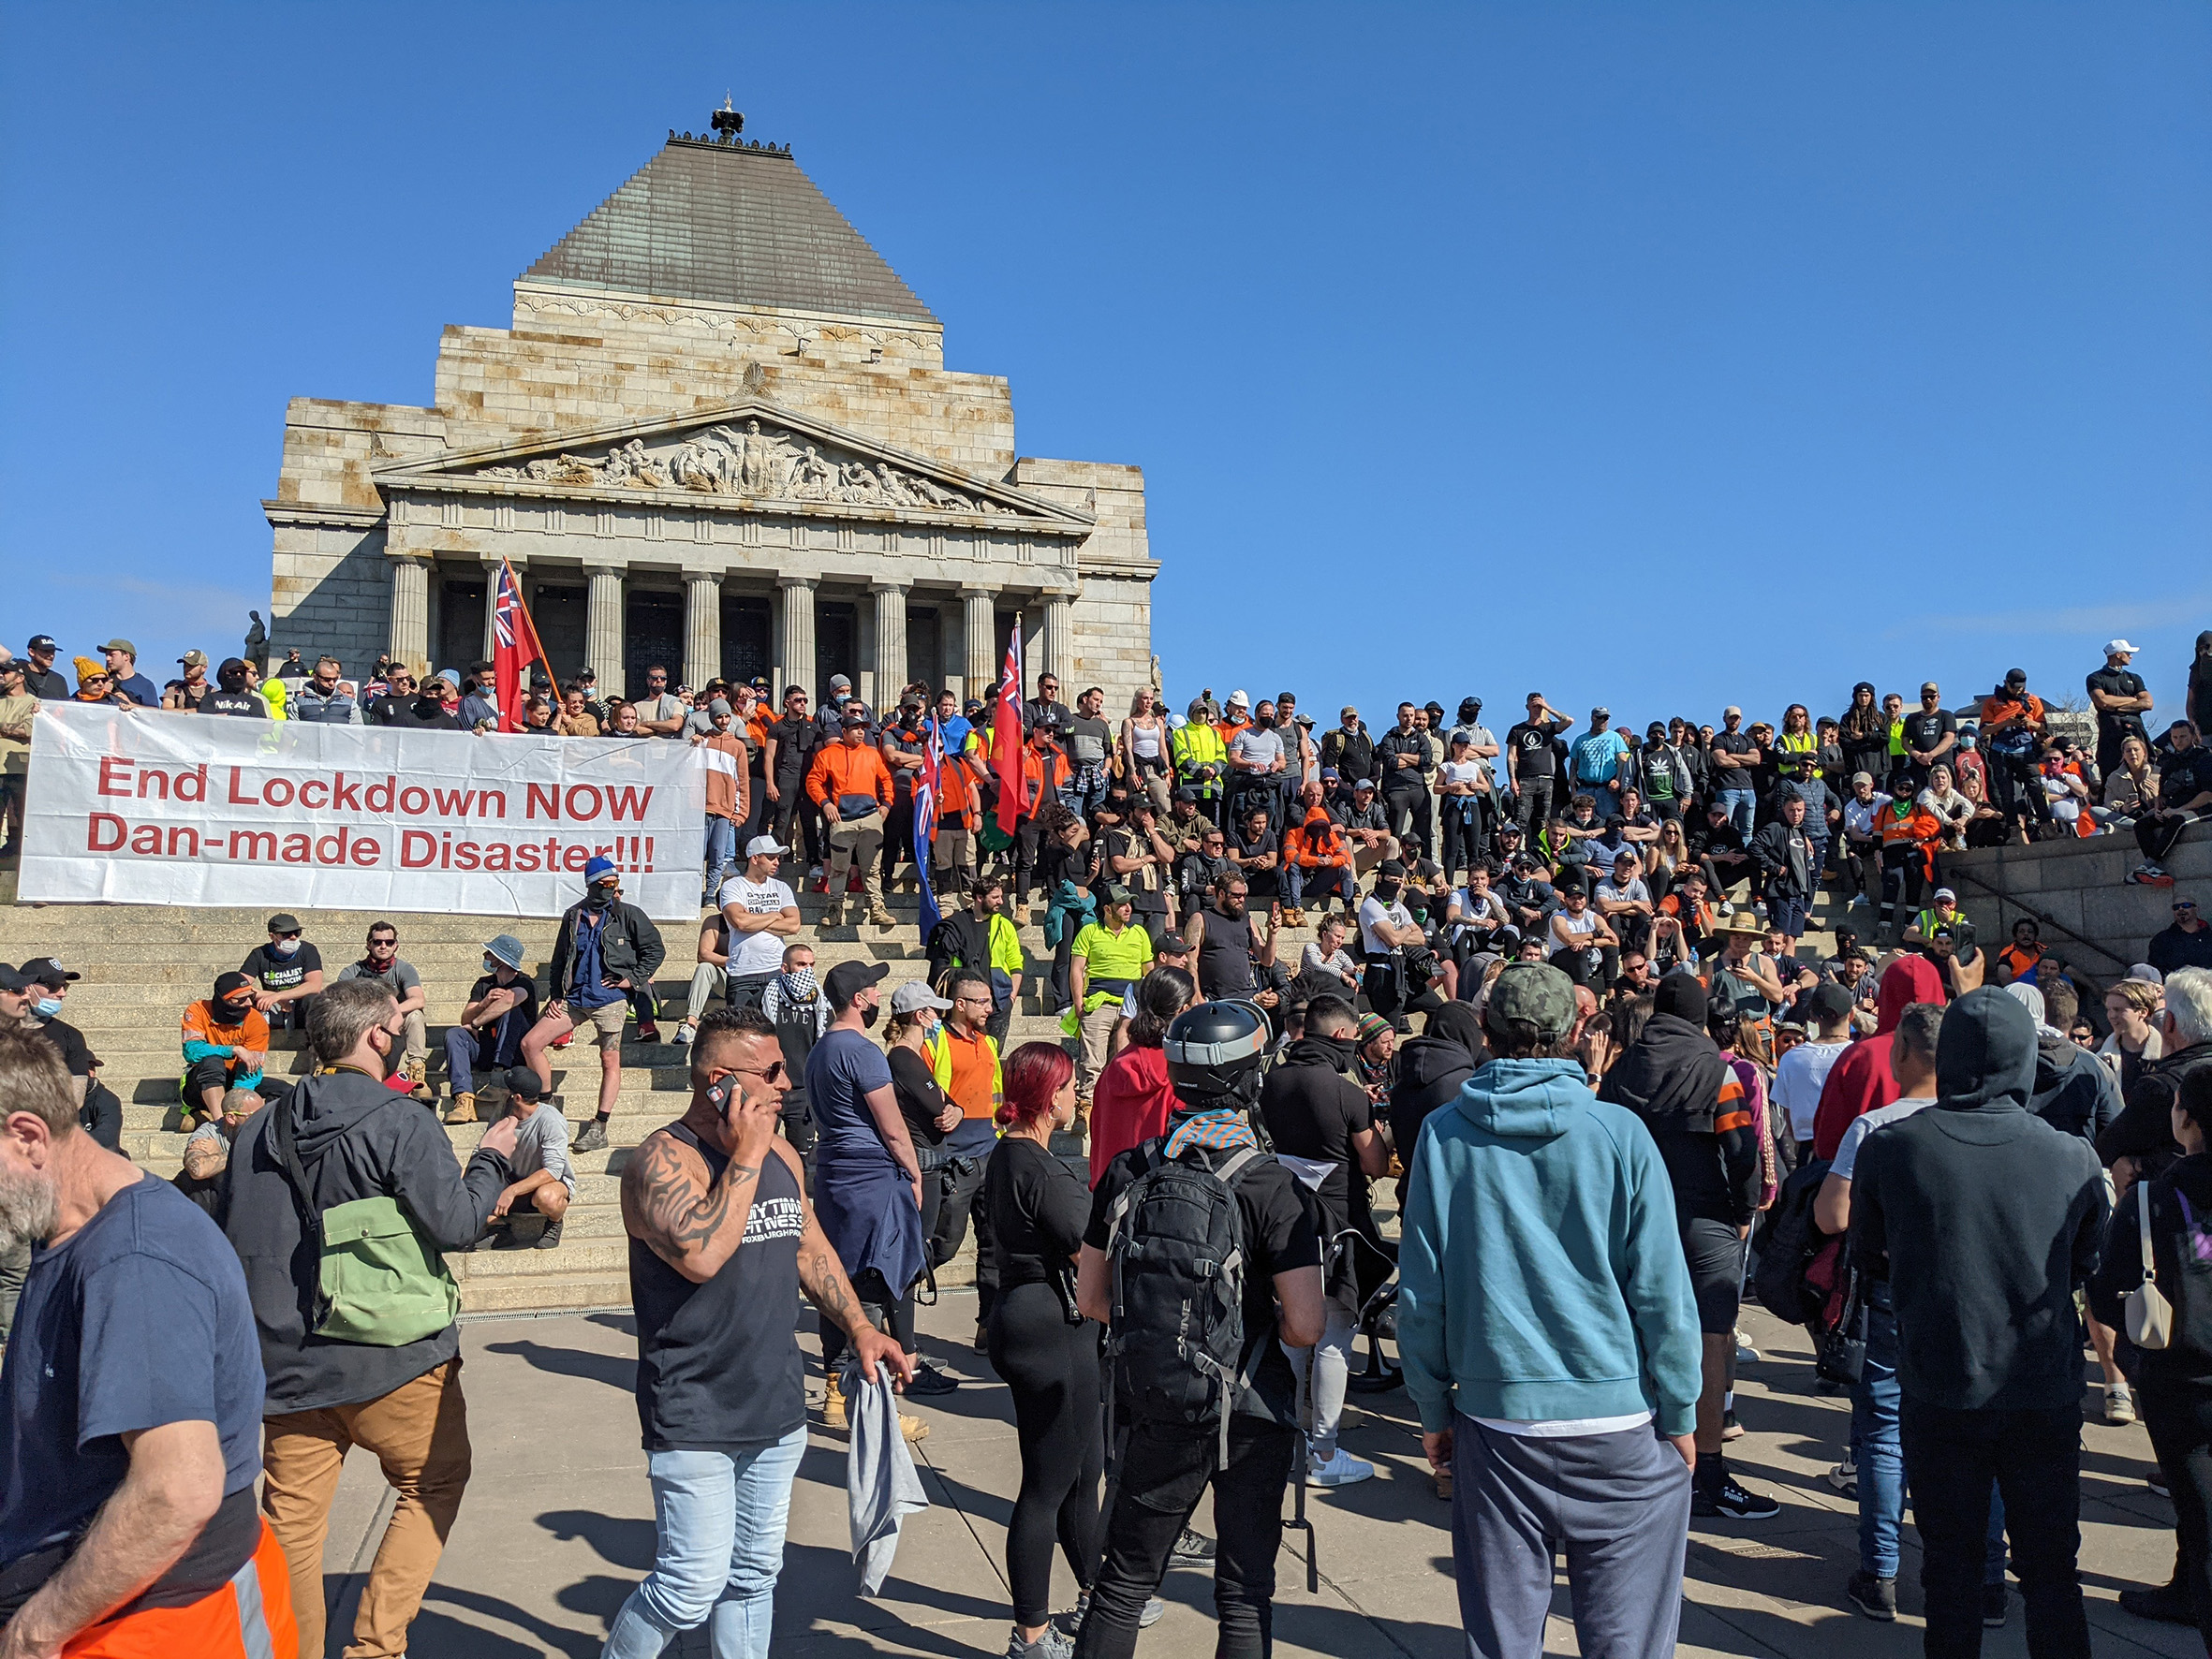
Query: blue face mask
46, 1007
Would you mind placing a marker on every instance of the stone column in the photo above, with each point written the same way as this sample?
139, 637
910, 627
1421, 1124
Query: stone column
702, 628
890, 640
978, 607
795, 648
1059, 643
602, 628
410, 613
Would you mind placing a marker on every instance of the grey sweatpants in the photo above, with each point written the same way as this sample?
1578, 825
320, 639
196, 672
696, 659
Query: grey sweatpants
1616, 1505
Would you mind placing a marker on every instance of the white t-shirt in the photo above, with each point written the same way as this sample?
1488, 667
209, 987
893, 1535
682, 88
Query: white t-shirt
761, 952
1462, 771
1567, 1428
1798, 1081
1374, 911
1847, 1155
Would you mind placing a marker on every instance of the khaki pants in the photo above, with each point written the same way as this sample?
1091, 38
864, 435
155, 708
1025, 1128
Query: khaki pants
414, 1041
1364, 859
851, 843
420, 1433
706, 984
1096, 1029
953, 849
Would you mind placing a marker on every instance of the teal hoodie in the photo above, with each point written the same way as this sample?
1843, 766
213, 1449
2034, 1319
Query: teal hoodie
1541, 1273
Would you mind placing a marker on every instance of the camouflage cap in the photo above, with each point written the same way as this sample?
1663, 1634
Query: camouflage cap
1536, 992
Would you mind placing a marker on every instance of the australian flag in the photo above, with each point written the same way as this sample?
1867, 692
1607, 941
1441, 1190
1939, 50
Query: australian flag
926, 825
514, 647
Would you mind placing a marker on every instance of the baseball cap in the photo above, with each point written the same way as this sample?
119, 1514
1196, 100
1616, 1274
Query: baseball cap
1538, 993
762, 847
1945, 893
846, 980
1362, 784
2148, 975
284, 922
1829, 999
506, 947
1601, 713
227, 985
120, 643
523, 1083
1391, 867
46, 970
2114, 647
850, 721
12, 980
915, 995
1116, 894
596, 868
194, 659
1185, 793
2016, 676
586, 674
1172, 944
42, 643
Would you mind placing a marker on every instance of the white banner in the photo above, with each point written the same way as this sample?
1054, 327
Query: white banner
143, 807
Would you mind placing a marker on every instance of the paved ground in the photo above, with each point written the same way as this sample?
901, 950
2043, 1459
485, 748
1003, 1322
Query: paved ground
558, 1526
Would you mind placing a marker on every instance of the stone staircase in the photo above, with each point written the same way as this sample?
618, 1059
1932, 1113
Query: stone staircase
142, 964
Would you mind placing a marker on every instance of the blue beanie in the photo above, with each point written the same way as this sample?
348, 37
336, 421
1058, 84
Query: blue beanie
597, 869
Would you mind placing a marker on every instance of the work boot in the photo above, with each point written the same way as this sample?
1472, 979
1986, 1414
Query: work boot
833, 912
413, 1070
879, 913
834, 1407
549, 1238
592, 1137
463, 1109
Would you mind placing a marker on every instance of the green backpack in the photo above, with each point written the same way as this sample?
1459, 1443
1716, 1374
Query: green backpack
381, 1281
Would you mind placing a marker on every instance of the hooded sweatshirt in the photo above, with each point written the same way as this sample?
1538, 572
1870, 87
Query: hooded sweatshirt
1432, 1069
1312, 1110
356, 1139
1675, 1080
1540, 1273
1986, 1220
1859, 1079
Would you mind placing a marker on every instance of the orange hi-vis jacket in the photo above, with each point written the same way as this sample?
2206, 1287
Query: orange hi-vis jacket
842, 769
1913, 826
1041, 771
1317, 844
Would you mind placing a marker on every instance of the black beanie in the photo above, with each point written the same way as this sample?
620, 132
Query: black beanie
1682, 995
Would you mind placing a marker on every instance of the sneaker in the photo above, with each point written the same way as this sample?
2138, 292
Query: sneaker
1341, 1469
2162, 1604
2155, 1480
563, 1041
2119, 1404
1730, 1427
1070, 1624
1052, 1644
1875, 1597
684, 1032
648, 1032
928, 1379
1193, 1550
1844, 1478
592, 1137
2149, 875
1746, 1353
549, 1238
1992, 1607
1729, 1499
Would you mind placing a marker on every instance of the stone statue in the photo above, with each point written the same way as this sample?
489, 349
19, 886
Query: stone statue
1157, 683
256, 645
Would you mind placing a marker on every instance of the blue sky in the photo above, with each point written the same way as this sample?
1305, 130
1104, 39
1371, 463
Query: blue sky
1658, 356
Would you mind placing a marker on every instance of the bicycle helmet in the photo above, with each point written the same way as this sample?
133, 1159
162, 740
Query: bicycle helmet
1216, 1051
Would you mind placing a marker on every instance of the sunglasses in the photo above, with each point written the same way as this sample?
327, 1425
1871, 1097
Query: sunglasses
771, 1073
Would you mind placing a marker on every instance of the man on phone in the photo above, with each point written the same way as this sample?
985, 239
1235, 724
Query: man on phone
722, 1242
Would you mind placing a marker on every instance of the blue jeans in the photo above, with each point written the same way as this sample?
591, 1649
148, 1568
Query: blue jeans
1326, 879
1881, 1458
1743, 809
721, 852
497, 1048
718, 1521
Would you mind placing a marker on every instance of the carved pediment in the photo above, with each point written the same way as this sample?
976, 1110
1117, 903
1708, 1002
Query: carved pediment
743, 457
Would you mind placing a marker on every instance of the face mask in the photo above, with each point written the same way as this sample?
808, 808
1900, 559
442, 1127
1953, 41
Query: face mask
800, 987
868, 1016
599, 898
285, 948
46, 1007
1386, 890
235, 1012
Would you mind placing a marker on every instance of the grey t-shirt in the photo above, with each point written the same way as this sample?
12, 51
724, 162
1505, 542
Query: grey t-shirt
666, 706
542, 1143
401, 976
1260, 748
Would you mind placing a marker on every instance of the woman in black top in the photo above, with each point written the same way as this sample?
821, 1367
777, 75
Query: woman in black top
1046, 1351
914, 1011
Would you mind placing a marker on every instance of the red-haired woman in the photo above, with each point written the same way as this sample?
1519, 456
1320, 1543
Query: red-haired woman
1046, 1352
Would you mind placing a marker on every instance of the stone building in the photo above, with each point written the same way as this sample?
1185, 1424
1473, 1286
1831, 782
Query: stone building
720, 435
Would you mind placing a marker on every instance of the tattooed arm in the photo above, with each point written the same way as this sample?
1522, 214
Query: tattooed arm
822, 1276
692, 1224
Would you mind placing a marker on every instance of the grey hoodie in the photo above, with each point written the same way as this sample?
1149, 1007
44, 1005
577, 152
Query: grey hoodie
357, 1138
1986, 1220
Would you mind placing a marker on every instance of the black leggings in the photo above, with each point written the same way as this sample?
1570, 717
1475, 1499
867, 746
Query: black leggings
1051, 1369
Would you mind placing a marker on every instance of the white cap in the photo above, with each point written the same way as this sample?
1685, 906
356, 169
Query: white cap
2114, 647
762, 847
1237, 700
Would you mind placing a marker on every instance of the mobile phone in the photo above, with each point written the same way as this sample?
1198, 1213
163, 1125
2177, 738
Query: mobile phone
718, 1096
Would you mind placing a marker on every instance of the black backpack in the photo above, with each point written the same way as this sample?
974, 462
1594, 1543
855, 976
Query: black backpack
1176, 1245
1787, 1243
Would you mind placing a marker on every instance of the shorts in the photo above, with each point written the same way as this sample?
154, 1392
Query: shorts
607, 1021
1716, 1254
1787, 915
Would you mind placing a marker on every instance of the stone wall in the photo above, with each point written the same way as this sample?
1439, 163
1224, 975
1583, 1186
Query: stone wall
2083, 886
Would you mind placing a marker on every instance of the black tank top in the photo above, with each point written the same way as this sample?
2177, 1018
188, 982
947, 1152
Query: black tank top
718, 1363
797, 1029
1224, 954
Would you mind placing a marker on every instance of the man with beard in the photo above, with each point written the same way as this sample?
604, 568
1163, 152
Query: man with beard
134, 1386
604, 947
1317, 1114
789, 752
984, 939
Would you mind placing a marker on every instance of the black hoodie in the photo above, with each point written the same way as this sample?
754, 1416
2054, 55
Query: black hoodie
2074, 1091
357, 1138
1312, 1110
1432, 1068
1671, 1077
1989, 1219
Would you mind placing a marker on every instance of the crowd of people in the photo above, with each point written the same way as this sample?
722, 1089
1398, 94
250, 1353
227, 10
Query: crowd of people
1629, 1095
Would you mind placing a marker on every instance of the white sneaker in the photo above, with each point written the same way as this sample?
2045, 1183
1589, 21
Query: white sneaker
1746, 1353
1342, 1469
683, 1035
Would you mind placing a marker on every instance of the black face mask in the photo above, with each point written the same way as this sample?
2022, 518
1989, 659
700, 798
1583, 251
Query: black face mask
599, 898
1386, 890
868, 1015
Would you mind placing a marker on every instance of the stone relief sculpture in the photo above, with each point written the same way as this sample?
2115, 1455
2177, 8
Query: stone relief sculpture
760, 462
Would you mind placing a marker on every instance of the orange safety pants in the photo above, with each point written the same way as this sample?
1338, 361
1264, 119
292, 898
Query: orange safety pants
249, 1618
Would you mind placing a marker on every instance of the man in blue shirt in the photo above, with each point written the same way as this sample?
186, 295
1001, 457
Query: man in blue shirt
133, 1385
122, 662
1597, 757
